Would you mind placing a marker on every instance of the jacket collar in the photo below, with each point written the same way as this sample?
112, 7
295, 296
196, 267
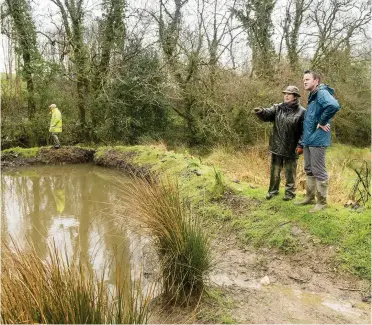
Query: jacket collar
293, 105
312, 94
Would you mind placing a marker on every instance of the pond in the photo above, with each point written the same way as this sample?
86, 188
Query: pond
74, 207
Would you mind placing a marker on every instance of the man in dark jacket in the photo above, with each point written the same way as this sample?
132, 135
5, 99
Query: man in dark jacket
321, 107
285, 141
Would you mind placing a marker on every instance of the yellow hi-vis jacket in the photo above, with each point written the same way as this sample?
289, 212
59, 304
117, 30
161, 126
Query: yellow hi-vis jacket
56, 121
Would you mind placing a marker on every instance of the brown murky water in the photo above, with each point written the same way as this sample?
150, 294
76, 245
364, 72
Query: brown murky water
72, 206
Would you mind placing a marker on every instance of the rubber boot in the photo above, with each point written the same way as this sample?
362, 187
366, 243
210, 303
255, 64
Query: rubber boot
310, 192
322, 187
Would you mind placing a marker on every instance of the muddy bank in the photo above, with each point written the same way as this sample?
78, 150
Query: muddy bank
123, 160
16, 157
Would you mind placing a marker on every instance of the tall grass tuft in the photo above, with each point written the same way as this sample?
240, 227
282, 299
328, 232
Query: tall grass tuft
219, 184
181, 245
60, 291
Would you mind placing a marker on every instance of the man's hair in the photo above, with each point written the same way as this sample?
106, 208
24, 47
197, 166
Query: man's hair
313, 73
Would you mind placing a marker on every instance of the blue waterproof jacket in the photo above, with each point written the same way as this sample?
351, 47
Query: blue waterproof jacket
321, 107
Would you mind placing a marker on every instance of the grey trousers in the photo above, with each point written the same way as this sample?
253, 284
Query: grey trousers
290, 166
55, 138
314, 162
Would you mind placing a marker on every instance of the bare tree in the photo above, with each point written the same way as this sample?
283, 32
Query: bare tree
55, 44
112, 31
72, 13
20, 12
169, 33
257, 22
112, 28
337, 22
169, 24
292, 22
216, 33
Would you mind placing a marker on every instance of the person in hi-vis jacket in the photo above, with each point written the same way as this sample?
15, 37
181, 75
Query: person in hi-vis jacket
55, 124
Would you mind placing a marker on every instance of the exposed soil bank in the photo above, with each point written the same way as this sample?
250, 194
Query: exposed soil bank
16, 157
123, 160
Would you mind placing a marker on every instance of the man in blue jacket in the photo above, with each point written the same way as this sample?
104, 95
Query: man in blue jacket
322, 106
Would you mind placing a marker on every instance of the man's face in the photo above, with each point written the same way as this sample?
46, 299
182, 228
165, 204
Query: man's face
309, 82
288, 97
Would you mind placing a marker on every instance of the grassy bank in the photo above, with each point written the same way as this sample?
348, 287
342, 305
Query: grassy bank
240, 207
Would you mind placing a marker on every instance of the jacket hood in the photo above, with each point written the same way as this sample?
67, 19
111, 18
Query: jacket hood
312, 95
55, 109
326, 87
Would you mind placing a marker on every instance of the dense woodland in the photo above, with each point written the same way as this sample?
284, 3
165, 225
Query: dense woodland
186, 72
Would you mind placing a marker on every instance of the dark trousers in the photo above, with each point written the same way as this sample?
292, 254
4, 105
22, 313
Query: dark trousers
290, 166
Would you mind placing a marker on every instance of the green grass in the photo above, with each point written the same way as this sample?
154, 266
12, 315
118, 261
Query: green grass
33, 152
340, 151
219, 187
214, 212
271, 223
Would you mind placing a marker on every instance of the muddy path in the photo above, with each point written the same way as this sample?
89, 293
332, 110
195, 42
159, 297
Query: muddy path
266, 286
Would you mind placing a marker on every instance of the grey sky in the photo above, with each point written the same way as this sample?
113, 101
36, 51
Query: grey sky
46, 14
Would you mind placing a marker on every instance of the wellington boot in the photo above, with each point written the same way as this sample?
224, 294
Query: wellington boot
310, 192
322, 188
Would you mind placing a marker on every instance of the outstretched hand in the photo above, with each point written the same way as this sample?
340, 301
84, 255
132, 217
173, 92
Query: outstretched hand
257, 110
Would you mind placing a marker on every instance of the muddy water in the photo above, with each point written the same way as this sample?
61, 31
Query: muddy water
72, 206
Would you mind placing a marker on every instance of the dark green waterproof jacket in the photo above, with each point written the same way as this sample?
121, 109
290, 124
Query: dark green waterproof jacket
288, 127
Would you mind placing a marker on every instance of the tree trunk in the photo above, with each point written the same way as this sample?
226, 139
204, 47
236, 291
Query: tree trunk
31, 107
25, 31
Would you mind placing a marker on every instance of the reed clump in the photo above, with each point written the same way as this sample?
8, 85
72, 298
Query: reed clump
180, 242
61, 291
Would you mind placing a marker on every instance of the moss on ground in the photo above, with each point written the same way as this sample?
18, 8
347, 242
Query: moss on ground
24, 152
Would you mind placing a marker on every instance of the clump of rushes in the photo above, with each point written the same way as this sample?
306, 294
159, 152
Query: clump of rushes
181, 245
59, 291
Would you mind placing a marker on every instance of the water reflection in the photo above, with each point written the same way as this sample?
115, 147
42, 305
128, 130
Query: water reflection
69, 205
